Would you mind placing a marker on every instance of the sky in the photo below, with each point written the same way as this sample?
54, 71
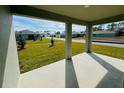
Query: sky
33, 24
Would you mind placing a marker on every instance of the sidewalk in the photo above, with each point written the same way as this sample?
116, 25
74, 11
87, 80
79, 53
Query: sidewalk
98, 43
109, 41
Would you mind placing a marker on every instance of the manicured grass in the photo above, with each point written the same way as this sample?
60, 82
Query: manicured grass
119, 37
109, 50
38, 53
78, 38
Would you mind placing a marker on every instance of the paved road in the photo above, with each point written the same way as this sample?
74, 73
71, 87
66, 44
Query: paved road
107, 44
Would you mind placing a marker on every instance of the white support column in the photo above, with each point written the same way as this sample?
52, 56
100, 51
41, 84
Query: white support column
88, 38
68, 41
9, 66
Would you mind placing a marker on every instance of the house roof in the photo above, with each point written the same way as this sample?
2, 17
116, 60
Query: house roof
26, 32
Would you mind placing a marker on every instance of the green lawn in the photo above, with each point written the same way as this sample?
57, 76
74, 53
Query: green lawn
38, 53
119, 37
79, 38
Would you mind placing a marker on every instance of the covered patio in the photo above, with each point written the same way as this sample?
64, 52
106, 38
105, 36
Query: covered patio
84, 70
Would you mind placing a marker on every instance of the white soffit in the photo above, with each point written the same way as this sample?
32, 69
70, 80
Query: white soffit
84, 12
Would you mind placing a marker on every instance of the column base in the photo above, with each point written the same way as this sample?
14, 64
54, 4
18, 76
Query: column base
88, 51
69, 59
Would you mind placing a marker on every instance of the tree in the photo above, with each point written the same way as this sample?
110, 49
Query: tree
100, 27
119, 25
95, 28
109, 27
113, 26
122, 24
58, 32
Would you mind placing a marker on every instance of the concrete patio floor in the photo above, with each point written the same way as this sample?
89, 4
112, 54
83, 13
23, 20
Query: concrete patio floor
86, 70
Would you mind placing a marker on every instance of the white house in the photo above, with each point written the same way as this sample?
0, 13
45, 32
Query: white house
27, 35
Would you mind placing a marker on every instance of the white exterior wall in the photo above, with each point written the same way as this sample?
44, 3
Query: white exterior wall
9, 65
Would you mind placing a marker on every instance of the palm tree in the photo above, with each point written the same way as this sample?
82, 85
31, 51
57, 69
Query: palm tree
58, 32
95, 28
113, 26
109, 26
100, 27
122, 24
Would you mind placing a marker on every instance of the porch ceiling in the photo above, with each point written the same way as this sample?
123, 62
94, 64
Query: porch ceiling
88, 13
79, 14
91, 13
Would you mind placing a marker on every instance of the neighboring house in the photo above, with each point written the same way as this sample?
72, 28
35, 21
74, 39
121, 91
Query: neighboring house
47, 34
104, 33
42, 34
63, 34
58, 34
75, 34
120, 32
27, 35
